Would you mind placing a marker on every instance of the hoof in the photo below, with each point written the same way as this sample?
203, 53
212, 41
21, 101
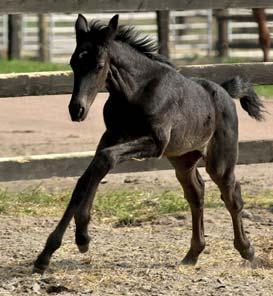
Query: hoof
41, 264
248, 253
83, 248
189, 259
39, 268
82, 241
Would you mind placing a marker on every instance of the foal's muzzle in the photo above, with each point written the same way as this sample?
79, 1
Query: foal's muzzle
77, 112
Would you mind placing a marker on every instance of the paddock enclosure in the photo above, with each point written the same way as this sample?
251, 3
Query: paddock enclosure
135, 260
41, 83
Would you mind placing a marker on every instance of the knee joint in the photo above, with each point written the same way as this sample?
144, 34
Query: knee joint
105, 159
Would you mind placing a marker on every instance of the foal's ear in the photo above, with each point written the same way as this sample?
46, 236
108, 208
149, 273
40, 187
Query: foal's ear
112, 28
81, 27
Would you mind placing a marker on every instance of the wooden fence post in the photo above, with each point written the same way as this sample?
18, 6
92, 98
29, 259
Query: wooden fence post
222, 45
43, 38
14, 36
162, 19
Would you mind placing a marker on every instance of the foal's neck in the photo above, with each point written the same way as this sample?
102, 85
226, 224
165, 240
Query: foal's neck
129, 70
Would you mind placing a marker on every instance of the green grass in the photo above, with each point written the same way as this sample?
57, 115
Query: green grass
21, 66
121, 207
264, 90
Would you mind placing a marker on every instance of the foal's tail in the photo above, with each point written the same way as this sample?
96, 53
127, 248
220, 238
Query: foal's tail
243, 90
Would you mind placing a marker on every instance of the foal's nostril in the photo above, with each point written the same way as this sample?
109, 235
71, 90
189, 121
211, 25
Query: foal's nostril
80, 112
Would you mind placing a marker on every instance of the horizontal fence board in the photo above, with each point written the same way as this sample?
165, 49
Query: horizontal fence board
245, 36
104, 16
61, 82
257, 73
74, 164
72, 6
247, 45
35, 84
244, 18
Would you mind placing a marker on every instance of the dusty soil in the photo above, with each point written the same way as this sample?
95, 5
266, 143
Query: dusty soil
143, 260
138, 260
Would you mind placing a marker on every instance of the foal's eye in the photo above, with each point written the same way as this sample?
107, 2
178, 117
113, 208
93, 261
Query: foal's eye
83, 54
100, 66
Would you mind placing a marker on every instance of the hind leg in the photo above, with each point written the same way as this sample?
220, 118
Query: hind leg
220, 165
193, 186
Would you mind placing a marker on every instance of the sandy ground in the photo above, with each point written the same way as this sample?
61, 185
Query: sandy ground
143, 260
138, 260
39, 125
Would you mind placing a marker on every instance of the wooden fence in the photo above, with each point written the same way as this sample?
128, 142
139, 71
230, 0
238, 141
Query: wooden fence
242, 36
61, 82
72, 6
190, 33
74, 164
195, 40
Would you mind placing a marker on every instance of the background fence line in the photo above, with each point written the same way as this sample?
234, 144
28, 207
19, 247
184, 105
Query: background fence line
72, 6
192, 33
186, 40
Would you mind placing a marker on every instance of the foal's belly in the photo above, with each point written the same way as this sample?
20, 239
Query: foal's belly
183, 142
176, 148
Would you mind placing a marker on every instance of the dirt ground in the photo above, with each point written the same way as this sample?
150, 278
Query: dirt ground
140, 260
143, 260
40, 125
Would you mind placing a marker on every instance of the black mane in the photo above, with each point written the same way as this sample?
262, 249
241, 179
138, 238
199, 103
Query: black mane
142, 44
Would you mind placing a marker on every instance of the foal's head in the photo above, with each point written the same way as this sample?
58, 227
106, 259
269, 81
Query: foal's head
90, 64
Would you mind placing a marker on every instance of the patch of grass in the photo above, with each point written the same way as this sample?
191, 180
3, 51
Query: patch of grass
120, 206
213, 200
21, 66
260, 200
126, 207
264, 90
32, 202
129, 207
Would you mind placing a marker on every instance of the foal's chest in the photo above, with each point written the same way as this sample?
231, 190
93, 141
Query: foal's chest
124, 119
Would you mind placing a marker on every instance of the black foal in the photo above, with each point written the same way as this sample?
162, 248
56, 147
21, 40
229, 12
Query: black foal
153, 111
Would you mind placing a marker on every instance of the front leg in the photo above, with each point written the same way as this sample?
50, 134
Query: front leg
55, 238
82, 214
140, 148
82, 197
